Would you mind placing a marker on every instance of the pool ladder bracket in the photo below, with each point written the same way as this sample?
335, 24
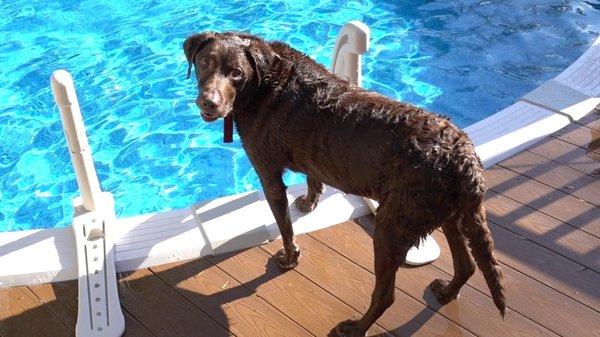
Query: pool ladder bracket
99, 310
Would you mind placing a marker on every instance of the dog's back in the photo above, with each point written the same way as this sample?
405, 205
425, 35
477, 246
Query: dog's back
347, 136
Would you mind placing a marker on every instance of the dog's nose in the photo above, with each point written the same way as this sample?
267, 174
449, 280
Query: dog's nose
210, 101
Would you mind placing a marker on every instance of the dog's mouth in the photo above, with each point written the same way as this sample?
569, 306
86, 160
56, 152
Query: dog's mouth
211, 116
208, 117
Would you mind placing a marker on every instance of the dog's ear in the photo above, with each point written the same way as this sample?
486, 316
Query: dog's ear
194, 44
262, 58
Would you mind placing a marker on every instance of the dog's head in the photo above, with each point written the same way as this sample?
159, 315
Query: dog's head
228, 66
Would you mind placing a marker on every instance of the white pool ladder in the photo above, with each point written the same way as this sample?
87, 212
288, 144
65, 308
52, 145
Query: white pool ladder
99, 312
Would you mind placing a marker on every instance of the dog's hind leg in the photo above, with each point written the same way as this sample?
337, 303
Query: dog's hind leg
274, 189
306, 203
464, 265
391, 242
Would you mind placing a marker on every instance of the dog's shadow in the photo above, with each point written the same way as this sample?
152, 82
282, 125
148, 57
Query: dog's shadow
214, 303
210, 290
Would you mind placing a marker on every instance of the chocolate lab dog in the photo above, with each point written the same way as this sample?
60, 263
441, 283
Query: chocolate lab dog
291, 113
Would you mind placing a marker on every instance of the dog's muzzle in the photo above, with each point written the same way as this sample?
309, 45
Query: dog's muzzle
209, 104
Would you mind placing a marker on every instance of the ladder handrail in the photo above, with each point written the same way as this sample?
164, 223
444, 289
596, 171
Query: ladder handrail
81, 154
352, 41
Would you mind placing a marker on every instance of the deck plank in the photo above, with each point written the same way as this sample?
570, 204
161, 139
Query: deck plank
587, 137
291, 293
546, 266
545, 230
22, 314
226, 300
561, 314
474, 311
568, 154
592, 120
162, 309
555, 175
354, 285
560, 205
543, 257
61, 298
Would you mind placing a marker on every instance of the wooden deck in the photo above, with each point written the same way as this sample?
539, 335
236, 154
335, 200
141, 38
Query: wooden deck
544, 212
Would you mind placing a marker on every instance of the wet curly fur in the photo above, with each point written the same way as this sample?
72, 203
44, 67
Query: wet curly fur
291, 113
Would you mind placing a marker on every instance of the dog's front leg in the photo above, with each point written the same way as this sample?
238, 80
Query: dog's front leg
274, 189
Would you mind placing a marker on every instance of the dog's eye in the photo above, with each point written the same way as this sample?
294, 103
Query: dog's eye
205, 62
237, 73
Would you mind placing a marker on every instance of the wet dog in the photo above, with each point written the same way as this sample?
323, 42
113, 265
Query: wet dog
291, 113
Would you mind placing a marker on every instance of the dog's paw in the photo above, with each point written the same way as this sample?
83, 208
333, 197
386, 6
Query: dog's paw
285, 261
304, 205
349, 328
439, 288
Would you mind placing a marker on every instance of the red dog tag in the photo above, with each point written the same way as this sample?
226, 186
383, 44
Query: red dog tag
228, 129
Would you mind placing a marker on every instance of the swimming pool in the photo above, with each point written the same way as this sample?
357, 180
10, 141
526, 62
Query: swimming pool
467, 59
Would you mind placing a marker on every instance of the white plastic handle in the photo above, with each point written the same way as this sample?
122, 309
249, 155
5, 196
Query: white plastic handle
352, 41
81, 155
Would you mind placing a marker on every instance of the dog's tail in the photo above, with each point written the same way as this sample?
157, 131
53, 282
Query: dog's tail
474, 223
475, 229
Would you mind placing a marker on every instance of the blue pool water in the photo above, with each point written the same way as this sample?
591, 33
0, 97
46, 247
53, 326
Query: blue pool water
465, 59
